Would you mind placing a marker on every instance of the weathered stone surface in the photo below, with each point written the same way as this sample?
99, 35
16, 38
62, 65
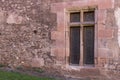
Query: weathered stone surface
13, 18
2, 17
37, 62
25, 28
31, 35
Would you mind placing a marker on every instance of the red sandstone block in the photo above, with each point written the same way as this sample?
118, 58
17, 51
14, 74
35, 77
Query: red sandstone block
57, 7
101, 44
61, 21
102, 61
60, 35
53, 34
105, 33
59, 52
60, 17
67, 42
67, 51
96, 61
101, 16
105, 4
61, 28
80, 3
101, 26
102, 4
92, 3
103, 52
60, 43
59, 38
54, 51
74, 5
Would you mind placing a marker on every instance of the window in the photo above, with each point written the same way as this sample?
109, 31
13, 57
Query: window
82, 24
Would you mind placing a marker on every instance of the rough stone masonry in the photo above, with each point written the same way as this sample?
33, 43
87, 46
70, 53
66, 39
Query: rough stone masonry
25, 32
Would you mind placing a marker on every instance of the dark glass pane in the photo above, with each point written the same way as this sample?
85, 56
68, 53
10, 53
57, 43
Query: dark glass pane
88, 45
74, 45
89, 16
75, 17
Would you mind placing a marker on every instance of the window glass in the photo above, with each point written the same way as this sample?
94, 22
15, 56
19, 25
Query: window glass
75, 17
88, 16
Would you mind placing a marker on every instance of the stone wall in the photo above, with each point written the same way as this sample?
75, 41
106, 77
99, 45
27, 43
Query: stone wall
25, 32
30, 34
114, 44
106, 30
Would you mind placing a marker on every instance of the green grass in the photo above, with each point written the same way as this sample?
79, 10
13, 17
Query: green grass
18, 76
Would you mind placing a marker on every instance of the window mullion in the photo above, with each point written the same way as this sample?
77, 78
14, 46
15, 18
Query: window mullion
81, 37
